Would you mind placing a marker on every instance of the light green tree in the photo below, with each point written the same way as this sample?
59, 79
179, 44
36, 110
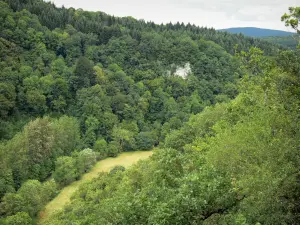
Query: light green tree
65, 170
21, 218
85, 160
292, 19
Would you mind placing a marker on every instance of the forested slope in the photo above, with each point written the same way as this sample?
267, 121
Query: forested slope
78, 86
258, 32
290, 42
122, 161
233, 163
106, 26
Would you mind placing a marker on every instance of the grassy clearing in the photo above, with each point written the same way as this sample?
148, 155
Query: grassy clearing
124, 159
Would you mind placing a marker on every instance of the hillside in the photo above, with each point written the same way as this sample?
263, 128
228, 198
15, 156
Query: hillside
257, 32
221, 111
290, 42
124, 160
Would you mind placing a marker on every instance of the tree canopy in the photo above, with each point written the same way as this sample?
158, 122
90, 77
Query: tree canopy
221, 111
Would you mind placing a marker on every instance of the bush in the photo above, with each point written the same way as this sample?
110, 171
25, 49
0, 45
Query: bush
117, 169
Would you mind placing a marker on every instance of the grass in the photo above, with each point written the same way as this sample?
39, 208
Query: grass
63, 198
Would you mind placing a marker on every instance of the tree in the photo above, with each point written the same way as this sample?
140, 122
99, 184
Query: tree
7, 98
118, 103
12, 203
85, 160
66, 133
107, 122
49, 190
101, 147
100, 75
29, 200
58, 66
32, 192
292, 19
36, 100
145, 140
21, 218
84, 74
196, 103
113, 149
123, 138
92, 102
92, 126
65, 170
40, 147
112, 75
6, 176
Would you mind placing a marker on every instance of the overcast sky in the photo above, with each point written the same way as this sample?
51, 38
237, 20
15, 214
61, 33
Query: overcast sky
211, 13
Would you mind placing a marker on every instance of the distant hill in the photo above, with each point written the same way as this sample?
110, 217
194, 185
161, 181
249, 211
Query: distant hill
257, 32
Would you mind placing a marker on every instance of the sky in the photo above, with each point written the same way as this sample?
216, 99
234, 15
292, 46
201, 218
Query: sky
218, 14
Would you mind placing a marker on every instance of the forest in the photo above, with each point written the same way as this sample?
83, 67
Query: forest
290, 42
220, 112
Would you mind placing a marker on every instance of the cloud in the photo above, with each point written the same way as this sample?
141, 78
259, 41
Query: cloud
240, 9
211, 13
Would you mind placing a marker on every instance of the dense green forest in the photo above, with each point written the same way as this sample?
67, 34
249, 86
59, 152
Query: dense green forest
290, 42
220, 109
258, 32
287, 40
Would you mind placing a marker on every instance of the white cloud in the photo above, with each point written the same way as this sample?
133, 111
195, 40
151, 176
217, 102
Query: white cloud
210, 13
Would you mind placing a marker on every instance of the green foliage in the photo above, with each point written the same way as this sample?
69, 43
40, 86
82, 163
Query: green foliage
27, 201
69, 169
113, 149
65, 170
66, 135
237, 162
293, 20
32, 194
117, 169
227, 129
123, 138
145, 140
84, 75
7, 98
21, 218
290, 42
170, 188
85, 159
31, 154
40, 146
101, 147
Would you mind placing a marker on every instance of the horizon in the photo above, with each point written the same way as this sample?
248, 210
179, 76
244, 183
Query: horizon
220, 14
256, 28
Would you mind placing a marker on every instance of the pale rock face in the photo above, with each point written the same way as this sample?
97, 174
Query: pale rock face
180, 71
183, 71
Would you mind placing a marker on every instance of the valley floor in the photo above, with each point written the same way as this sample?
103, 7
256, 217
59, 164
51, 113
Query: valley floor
124, 159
